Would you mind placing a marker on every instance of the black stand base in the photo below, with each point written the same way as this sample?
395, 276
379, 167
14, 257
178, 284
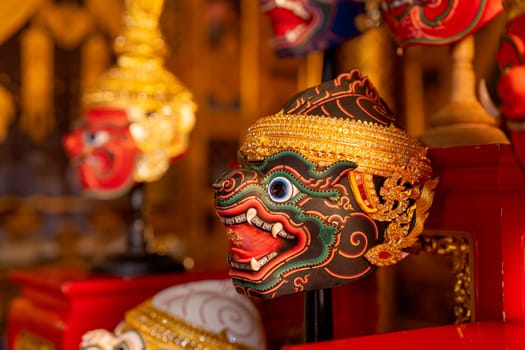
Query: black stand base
318, 315
130, 265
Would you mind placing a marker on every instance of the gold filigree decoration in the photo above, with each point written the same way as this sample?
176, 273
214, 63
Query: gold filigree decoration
458, 246
162, 331
323, 140
405, 225
160, 108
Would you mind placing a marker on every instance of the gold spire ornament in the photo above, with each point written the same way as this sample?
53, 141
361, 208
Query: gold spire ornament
160, 108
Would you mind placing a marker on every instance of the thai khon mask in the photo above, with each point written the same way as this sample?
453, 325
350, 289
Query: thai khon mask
138, 117
303, 26
437, 22
327, 189
206, 314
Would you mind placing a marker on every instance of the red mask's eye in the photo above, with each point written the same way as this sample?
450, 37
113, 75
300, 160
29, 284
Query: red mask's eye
95, 138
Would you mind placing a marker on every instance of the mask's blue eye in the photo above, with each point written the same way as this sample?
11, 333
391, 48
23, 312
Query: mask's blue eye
281, 189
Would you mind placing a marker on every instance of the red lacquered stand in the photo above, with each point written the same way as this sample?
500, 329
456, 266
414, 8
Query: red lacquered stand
473, 336
57, 305
481, 194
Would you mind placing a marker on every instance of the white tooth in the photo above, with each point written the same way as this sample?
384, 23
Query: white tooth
276, 228
250, 214
239, 219
254, 264
290, 35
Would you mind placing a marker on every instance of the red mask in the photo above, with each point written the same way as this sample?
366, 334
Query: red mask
303, 26
437, 22
103, 152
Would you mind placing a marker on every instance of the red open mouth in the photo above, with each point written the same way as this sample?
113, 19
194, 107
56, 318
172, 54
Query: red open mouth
258, 243
289, 20
248, 241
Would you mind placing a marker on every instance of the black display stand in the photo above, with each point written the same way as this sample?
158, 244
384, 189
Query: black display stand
136, 261
318, 314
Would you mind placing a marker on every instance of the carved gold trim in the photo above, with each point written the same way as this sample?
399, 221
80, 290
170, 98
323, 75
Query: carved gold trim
459, 245
163, 331
324, 140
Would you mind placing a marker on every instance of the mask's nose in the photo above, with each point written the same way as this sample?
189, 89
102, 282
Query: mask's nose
234, 180
217, 185
221, 184
228, 174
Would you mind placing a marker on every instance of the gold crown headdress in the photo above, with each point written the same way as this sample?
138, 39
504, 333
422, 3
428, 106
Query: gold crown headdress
324, 140
160, 108
346, 120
